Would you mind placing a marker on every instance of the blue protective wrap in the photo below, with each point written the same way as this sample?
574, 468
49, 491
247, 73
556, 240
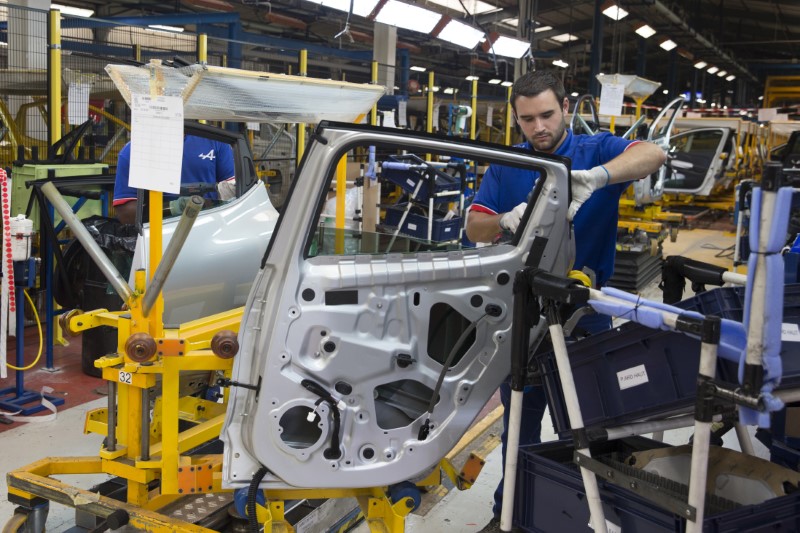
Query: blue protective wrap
773, 300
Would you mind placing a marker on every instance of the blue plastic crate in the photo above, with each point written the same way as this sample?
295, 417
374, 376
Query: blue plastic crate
625, 374
550, 497
728, 302
416, 225
434, 181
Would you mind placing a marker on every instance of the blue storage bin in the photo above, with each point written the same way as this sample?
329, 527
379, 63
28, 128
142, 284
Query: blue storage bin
550, 497
434, 181
625, 374
728, 302
416, 225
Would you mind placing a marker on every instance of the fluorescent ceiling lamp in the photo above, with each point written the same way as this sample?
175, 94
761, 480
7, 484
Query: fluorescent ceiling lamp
449, 90
574, 94
418, 69
3, 43
731, 77
475, 7
645, 31
668, 44
460, 34
722, 73
165, 28
614, 12
559, 63
712, 70
507, 83
362, 8
508, 47
74, 11
495, 81
700, 64
542, 28
472, 78
564, 38
435, 89
511, 22
408, 17
665, 91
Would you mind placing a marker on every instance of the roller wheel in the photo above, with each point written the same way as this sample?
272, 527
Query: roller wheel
406, 489
16, 524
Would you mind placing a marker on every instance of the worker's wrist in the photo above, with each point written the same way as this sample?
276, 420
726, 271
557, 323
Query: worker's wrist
602, 176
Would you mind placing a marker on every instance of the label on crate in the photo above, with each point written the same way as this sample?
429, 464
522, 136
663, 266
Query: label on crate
790, 332
631, 377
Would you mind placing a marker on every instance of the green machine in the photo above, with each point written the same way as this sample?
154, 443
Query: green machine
29, 171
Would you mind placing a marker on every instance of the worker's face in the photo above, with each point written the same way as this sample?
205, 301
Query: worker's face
542, 119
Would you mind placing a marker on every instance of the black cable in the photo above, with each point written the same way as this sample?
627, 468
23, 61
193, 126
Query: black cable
426, 426
252, 492
334, 452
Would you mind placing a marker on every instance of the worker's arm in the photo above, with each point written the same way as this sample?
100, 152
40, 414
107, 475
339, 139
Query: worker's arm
126, 213
639, 160
483, 227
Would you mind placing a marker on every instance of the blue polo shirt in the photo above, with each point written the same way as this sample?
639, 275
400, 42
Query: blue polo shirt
503, 188
204, 161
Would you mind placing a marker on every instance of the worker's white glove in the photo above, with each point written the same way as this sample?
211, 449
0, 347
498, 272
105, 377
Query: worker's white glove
584, 183
227, 189
510, 221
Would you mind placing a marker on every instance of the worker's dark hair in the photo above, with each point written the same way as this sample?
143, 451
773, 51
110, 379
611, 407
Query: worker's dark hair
536, 82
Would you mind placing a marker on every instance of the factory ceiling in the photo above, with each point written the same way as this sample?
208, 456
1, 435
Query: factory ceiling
747, 39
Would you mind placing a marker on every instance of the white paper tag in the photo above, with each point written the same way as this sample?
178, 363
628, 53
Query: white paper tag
402, 107
632, 377
790, 332
78, 103
611, 96
156, 143
254, 126
489, 113
610, 527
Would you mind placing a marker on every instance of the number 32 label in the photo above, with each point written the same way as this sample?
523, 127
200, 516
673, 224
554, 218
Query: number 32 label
125, 377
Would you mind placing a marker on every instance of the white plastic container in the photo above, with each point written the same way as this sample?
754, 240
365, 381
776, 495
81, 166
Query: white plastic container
21, 232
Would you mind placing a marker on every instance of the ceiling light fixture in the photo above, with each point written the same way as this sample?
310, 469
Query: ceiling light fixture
472, 78
645, 31
613, 11
460, 34
542, 28
722, 73
564, 38
495, 81
362, 8
165, 28
74, 11
476, 7
506, 46
731, 77
668, 44
415, 68
560, 63
408, 17
712, 70
700, 64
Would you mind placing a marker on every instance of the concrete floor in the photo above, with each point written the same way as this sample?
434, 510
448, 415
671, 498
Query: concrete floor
465, 511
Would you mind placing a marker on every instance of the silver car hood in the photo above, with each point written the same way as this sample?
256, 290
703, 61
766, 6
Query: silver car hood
368, 350
216, 267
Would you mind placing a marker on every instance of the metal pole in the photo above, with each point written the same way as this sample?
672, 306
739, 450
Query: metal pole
185, 224
92, 248
111, 439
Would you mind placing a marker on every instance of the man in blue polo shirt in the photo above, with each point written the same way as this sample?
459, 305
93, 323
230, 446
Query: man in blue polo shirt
602, 167
204, 161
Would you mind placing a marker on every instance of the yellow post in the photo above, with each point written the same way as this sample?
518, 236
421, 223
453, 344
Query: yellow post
301, 128
474, 118
429, 121
54, 77
373, 114
202, 48
509, 117
137, 52
156, 219
341, 193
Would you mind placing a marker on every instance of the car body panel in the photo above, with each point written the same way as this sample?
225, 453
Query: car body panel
366, 329
707, 154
